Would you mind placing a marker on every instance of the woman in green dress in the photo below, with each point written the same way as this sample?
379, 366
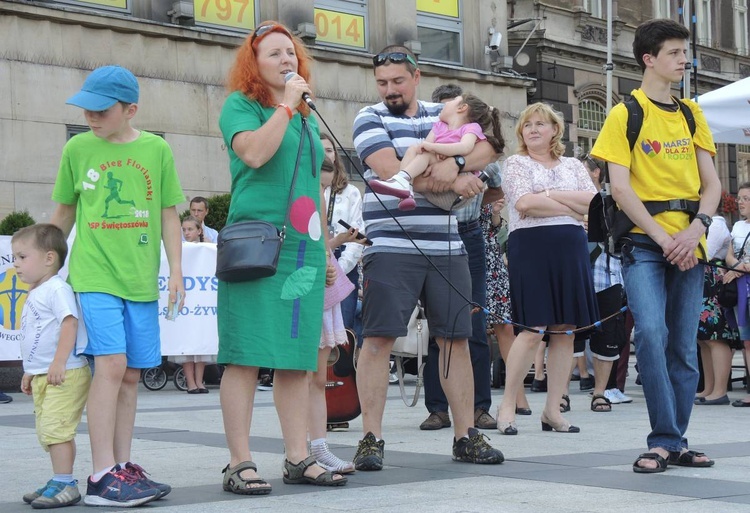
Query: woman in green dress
272, 322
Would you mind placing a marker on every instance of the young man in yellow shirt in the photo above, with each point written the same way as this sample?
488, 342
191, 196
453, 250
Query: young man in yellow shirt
663, 280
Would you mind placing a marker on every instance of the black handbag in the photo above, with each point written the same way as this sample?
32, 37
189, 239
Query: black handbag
728, 294
249, 250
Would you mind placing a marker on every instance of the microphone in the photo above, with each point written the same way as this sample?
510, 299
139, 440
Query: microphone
305, 96
482, 176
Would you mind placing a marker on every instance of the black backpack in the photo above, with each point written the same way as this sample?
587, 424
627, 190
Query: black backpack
607, 223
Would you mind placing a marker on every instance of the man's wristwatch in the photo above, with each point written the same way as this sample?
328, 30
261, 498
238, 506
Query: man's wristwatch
460, 162
703, 218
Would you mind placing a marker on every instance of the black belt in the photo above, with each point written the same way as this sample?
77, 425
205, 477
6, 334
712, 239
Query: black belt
468, 226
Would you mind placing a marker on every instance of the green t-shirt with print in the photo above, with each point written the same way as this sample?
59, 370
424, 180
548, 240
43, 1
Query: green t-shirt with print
119, 191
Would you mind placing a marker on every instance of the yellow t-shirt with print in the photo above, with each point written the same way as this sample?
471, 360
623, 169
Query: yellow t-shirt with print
663, 164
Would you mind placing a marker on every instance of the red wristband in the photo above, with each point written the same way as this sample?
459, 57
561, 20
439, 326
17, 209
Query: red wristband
288, 110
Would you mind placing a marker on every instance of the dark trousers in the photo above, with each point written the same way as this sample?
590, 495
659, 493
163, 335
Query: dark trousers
349, 304
434, 397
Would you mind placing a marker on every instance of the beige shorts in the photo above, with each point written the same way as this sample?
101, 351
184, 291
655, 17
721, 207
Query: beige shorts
58, 409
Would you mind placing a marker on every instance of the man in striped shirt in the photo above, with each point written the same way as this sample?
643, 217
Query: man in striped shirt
396, 268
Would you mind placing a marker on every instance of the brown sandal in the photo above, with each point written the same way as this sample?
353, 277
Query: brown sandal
235, 483
295, 474
600, 406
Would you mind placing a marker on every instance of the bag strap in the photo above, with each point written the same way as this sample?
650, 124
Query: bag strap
635, 119
306, 129
742, 251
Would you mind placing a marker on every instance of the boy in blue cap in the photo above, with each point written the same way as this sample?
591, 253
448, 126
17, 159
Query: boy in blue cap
119, 186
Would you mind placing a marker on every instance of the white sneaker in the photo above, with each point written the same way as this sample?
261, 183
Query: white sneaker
396, 186
612, 396
622, 397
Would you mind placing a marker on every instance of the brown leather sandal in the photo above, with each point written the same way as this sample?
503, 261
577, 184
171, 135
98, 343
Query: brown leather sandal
235, 483
599, 403
295, 474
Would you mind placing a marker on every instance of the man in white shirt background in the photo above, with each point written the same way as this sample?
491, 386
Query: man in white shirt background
199, 210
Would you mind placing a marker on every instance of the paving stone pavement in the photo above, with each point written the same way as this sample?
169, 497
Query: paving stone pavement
179, 439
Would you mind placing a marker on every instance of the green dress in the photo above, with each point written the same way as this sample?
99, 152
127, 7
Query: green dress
275, 322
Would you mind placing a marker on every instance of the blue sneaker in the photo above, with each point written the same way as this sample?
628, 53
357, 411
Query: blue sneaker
141, 474
5, 398
32, 496
57, 495
119, 488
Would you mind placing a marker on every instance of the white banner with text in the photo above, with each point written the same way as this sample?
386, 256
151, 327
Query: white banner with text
194, 332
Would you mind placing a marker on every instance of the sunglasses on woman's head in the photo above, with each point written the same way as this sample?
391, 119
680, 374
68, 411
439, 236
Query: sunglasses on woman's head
394, 57
264, 30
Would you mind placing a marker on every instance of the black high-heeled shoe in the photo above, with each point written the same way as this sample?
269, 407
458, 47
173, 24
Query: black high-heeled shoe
562, 427
507, 428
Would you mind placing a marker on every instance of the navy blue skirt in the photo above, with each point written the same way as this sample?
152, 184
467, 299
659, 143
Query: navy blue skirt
550, 276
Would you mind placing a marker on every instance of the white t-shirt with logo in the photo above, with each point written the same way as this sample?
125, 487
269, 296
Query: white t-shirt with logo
46, 307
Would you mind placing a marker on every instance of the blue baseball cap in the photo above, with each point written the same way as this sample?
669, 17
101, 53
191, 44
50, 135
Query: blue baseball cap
104, 87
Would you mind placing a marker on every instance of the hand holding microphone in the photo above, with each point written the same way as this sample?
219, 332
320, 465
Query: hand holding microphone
484, 177
300, 91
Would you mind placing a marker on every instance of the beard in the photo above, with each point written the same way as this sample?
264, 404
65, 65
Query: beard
396, 105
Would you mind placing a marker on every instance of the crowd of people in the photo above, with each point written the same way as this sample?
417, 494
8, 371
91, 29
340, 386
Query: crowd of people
436, 236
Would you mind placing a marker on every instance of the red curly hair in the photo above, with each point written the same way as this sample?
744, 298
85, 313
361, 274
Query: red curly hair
245, 75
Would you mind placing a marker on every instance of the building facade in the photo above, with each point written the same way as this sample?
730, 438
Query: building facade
181, 52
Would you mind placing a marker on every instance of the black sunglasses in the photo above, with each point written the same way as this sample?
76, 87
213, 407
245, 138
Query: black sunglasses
265, 29
394, 57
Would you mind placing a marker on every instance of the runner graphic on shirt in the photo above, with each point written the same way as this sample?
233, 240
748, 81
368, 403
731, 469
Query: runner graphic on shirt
115, 186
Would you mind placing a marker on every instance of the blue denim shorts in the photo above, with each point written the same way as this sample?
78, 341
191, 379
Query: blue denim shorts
117, 326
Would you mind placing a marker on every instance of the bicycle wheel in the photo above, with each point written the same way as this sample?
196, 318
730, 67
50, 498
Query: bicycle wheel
179, 379
154, 378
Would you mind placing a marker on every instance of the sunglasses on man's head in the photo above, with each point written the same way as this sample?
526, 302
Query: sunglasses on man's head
263, 30
394, 57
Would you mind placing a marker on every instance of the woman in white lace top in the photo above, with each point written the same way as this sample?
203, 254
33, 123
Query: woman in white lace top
548, 261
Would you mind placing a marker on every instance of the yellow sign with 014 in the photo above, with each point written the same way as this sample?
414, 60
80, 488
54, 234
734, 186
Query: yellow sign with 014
340, 28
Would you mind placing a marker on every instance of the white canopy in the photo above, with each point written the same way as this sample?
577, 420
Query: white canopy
727, 111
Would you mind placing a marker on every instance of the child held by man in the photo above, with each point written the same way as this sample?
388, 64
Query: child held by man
463, 121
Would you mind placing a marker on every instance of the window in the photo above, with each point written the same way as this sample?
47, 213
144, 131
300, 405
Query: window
740, 27
743, 148
703, 21
662, 9
351, 172
341, 23
591, 115
440, 30
596, 8
73, 130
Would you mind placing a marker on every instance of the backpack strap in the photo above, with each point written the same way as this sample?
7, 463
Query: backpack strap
635, 120
688, 115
